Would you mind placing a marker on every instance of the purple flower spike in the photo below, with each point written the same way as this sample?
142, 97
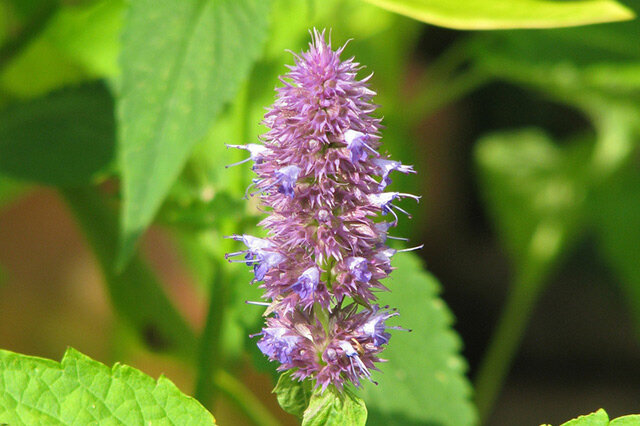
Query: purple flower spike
321, 178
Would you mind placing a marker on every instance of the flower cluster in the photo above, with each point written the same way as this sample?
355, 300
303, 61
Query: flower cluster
323, 183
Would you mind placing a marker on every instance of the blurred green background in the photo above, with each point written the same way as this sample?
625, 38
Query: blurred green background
525, 143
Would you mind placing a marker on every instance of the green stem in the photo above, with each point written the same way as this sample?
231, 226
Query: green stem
210, 352
505, 341
240, 395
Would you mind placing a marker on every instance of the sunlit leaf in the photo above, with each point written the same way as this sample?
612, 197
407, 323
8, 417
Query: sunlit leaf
63, 139
79, 390
502, 14
600, 418
181, 61
332, 408
424, 380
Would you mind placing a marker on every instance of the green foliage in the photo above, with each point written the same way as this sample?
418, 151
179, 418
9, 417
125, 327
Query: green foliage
63, 139
181, 61
502, 14
423, 381
293, 395
572, 62
616, 219
136, 294
535, 192
80, 390
600, 418
334, 408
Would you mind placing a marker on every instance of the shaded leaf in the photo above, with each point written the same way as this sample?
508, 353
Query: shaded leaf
79, 390
293, 395
616, 217
334, 408
535, 192
424, 380
135, 292
181, 61
503, 14
63, 139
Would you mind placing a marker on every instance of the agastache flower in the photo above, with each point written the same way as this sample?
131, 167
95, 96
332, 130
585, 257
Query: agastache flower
321, 178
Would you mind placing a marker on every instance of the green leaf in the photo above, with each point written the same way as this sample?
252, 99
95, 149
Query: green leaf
181, 61
535, 192
80, 390
89, 34
63, 139
424, 380
599, 58
293, 395
599, 418
334, 408
135, 292
630, 420
503, 14
616, 217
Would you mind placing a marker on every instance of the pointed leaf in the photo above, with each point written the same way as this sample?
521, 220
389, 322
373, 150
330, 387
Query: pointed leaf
64, 139
599, 418
535, 192
80, 390
181, 61
424, 380
333, 408
503, 14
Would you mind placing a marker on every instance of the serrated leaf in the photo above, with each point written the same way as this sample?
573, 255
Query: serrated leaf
293, 395
333, 408
64, 139
80, 390
535, 192
503, 14
599, 418
181, 61
424, 380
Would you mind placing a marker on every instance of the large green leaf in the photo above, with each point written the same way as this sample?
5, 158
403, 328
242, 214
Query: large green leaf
424, 380
80, 391
293, 395
333, 408
63, 139
502, 14
181, 61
